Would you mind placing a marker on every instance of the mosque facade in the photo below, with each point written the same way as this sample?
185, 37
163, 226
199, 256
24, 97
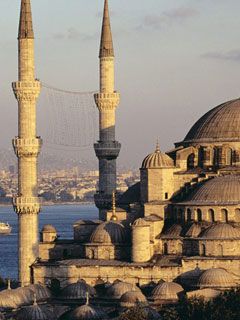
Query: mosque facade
176, 232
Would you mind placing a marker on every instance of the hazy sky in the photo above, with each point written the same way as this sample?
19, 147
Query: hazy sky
175, 59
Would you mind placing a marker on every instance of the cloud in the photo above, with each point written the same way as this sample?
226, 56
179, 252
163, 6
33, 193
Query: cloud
170, 17
74, 34
232, 55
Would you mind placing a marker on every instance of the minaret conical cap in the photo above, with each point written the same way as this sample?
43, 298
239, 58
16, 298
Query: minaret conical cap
106, 46
25, 25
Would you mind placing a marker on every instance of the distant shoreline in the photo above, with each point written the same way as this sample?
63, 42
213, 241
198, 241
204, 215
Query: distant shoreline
48, 204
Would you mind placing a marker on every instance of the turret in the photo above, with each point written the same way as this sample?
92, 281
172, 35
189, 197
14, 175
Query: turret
107, 149
140, 241
27, 146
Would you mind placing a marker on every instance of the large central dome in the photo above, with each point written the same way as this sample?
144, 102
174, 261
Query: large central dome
219, 124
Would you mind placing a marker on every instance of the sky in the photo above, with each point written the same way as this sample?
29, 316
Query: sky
175, 60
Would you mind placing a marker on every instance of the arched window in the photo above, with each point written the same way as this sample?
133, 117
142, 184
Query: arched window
180, 248
203, 250
229, 156
179, 215
189, 215
237, 215
224, 215
217, 156
191, 161
220, 250
165, 248
199, 215
211, 215
91, 254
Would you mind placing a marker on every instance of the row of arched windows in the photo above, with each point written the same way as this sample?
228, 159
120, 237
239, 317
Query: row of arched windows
214, 157
197, 215
219, 251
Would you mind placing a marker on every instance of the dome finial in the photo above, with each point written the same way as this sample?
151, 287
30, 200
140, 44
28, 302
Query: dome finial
157, 146
34, 299
114, 216
87, 298
9, 284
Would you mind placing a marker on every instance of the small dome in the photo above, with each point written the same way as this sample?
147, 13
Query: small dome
78, 290
140, 223
49, 228
194, 231
173, 232
42, 292
110, 232
216, 191
87, 312
216, 278
220, 124
221, 231
167, 291
190, 278
157, 160
14, 298
132, 298
119, 288
35, 312
152, 313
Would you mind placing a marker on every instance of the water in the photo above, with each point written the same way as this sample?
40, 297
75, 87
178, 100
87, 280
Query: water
61, 216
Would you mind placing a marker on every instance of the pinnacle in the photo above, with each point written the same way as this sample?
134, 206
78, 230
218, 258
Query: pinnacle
25, 24
106, 46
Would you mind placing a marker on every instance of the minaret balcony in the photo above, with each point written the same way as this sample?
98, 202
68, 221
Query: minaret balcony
108, 150
107, 100
26, 90
103, 201
27, 205
27, 147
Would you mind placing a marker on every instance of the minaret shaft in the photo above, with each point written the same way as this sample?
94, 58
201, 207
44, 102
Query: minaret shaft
27, 147
107, 149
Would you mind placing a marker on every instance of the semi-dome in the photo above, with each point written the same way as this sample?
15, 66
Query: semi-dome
194, 230
157, 160
110, 232
218, 125
35, 312
48, 228
167, 291
87, 312
216, 278
216, 191
221, 231
174, 231
78, 290
132, 298
117, 289
140, 223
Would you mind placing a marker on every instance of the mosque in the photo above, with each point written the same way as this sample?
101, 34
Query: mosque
176, 232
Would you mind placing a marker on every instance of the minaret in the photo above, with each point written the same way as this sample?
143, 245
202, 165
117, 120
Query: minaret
27, 147
107, 149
